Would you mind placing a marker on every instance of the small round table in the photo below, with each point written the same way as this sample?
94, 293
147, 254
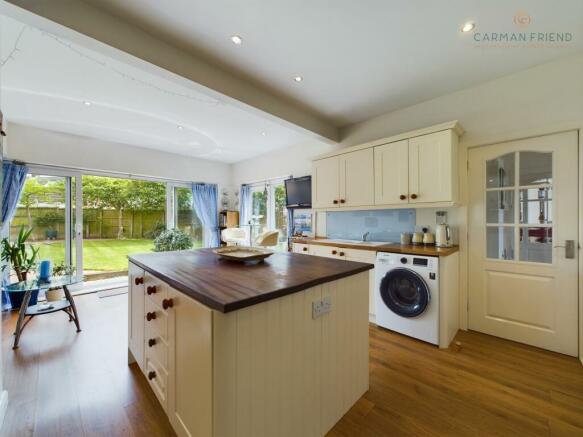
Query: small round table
27, 287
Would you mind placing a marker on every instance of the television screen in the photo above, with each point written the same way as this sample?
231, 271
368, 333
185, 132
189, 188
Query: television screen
298, 192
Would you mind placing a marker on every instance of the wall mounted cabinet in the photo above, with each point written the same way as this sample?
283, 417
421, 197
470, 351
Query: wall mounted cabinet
417, 168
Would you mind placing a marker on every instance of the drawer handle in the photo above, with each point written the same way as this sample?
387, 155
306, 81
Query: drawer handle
151, 289
305, 249
335, 202
413, 196
151, 342
151, 375
138, 280
402, 197
341, 254
167, 303
151, 316
334, 252
342, 200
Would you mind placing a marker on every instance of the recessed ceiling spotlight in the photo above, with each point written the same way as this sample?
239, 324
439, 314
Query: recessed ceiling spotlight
237, 40
298, 78
86, 103
264, 134
179, 127
468, 26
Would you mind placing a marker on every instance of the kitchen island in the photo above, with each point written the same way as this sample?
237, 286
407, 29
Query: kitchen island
277, 348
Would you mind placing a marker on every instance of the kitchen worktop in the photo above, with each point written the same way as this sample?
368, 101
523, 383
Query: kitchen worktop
409, 249
226, 286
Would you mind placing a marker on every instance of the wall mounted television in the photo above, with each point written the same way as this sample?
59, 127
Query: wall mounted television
298, 192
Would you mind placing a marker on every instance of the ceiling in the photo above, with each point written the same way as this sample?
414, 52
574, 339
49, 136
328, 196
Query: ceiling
358, 59
46, 81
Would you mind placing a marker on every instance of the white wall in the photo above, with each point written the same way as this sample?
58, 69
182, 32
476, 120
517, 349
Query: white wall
40, 146
295, 160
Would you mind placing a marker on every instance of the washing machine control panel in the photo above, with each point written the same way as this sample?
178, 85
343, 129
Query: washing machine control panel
395, 259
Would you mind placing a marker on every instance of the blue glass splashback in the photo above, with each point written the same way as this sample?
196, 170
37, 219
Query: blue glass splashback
383, 224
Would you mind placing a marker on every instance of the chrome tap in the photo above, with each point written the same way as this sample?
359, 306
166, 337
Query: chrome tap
365, 236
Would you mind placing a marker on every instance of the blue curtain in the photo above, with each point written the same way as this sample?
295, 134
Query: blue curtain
205, 200
13, 178
245, 205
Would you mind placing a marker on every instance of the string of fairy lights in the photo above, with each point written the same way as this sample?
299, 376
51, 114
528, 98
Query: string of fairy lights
17, 48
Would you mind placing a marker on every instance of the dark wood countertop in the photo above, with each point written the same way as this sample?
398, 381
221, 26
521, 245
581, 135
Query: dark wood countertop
228, 285
409, 249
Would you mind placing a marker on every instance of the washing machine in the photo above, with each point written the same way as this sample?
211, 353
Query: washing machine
407, 295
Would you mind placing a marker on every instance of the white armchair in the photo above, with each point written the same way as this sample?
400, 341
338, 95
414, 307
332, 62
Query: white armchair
268, 238
234, 236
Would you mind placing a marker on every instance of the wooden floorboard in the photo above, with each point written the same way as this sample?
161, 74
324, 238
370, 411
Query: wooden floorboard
61, 383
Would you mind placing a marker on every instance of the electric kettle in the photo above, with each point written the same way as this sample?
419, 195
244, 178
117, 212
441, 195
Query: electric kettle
443, 235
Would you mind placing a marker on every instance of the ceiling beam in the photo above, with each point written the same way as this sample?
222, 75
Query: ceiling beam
88, 21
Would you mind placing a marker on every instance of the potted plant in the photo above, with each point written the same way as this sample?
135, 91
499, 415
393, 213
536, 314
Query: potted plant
172, 239
22, 258
62, 269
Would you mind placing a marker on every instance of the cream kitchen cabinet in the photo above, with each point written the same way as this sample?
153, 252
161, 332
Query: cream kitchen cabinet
391, 163
301, 248
345, 180
414, 168
433, 168
136, 303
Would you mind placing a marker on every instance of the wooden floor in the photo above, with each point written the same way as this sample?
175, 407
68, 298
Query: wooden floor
61, 383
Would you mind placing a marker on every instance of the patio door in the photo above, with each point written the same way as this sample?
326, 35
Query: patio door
51, 205
523, 241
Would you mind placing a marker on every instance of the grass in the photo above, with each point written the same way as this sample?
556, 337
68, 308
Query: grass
98, 255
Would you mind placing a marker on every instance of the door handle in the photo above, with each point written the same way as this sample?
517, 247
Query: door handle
569, 248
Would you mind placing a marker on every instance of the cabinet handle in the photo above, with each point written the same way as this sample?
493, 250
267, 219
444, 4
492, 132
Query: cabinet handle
334, 252
402, 197
305, 249
342, 200
167, 303
138, 280
151, 375
151, 342
341, 254
335, 202
413, 196
151, 316
151, 289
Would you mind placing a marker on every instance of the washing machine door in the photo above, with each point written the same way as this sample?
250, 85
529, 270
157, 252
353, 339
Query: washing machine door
404, 292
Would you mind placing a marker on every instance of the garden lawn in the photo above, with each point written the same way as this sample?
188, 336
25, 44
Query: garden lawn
100, 255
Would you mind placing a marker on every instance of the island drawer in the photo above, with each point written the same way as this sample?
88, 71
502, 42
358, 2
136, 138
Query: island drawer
157, 378
156, 347
156, 320
155, 289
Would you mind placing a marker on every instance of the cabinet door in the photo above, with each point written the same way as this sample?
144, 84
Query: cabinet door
325, 183
327, 251
432, 169
392, 173
365, 256
357, 178
301, 248
136, 313
190, 375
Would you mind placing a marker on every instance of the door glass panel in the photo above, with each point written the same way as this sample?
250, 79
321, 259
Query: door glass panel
42, 208
500, 242
280, 212
536, 168
185, 218
500, 206
536, 245
500, 171
259, 211
536, 205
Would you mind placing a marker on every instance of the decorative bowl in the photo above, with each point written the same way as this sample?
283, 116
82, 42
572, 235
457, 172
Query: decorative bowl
243, 253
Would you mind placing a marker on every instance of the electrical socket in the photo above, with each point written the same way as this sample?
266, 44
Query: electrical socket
321, 307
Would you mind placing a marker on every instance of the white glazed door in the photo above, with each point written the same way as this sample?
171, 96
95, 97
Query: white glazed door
430, 168
357, 178
392, 173
326, 183
523, 211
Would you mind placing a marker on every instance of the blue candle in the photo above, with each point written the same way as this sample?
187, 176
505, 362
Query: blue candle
45, 270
